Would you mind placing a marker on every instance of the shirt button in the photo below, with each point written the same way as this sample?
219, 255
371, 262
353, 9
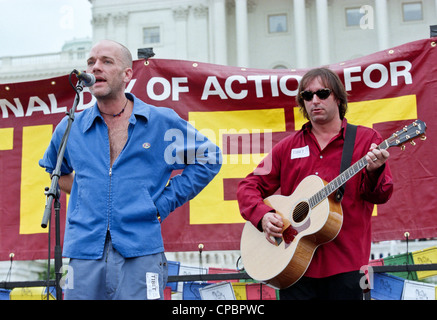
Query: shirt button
317, 173
321, 157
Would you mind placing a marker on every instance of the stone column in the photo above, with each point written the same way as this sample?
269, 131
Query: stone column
180, 15
323, 31
219, 32
120, 26
381, 13
198, 32
300, 33
242, 33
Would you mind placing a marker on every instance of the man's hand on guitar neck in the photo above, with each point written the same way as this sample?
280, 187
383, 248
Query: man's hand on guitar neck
272, 225
376, 157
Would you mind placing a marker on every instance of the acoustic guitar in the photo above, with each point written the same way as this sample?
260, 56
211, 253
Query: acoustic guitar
311, 216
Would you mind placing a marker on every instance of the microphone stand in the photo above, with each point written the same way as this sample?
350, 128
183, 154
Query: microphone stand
53, 194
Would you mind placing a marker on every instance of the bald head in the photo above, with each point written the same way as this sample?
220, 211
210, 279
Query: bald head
122, 53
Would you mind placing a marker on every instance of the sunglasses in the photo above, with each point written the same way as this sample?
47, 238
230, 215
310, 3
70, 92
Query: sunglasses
321, 93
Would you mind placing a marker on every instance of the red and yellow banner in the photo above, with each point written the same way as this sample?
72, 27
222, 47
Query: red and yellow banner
245, 111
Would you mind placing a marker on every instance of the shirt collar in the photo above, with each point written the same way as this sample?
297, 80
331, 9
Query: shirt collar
343, 127
140, 109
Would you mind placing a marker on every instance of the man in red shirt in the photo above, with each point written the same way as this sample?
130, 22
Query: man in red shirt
316, 149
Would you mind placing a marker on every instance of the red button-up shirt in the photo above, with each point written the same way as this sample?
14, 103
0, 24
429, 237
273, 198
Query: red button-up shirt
298, 156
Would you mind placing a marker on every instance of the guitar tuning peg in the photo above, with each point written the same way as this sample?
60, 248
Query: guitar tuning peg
403, 147
423, 137
413, 143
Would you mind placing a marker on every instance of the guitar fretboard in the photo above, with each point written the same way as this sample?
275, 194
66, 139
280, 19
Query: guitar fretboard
341, 179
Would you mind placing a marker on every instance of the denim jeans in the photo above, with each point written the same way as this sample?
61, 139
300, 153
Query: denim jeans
114, 277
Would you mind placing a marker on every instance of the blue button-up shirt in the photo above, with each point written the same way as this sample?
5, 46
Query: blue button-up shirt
127, 197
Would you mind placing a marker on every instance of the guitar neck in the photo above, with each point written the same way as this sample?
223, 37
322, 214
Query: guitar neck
342, 178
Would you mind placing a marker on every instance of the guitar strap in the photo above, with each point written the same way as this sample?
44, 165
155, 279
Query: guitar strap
346, 157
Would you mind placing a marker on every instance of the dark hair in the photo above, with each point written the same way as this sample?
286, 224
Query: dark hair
330, 80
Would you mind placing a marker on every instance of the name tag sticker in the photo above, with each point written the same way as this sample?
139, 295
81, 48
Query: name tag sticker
152, 280
300, 152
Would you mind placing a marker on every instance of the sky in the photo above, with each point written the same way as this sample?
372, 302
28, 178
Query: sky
42, 26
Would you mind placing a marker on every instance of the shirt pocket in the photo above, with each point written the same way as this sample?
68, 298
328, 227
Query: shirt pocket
88, 204
132, 202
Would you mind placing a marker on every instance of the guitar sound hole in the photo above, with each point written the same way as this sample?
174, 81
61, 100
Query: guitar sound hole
300, 212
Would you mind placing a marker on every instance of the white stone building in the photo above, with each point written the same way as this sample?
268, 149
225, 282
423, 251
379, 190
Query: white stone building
247, 33
46, 65
263, 34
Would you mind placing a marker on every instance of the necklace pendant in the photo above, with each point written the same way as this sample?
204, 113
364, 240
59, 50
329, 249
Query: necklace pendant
118, 114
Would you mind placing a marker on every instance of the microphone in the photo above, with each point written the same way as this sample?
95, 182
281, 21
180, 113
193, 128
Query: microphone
88, 79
